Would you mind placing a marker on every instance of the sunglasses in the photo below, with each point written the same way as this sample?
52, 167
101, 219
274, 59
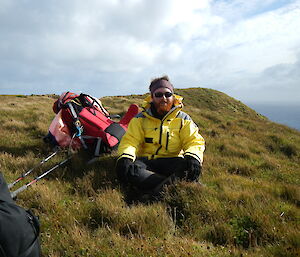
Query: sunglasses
160, 94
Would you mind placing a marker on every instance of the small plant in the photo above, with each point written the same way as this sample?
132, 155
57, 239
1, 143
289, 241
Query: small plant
246, 231
178, 205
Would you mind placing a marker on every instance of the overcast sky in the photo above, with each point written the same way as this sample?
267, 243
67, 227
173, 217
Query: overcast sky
248, 49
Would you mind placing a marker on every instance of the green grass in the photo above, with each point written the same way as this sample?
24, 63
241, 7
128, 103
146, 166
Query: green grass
248, 203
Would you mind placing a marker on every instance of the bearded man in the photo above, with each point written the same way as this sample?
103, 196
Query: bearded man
162, 143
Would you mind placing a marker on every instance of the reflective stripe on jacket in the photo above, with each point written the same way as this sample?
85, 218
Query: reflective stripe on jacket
175, 135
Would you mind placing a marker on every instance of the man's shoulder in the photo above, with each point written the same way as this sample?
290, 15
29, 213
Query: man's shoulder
140, 115
183, 115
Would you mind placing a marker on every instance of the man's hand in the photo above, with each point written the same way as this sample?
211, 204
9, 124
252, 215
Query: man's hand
193, 168
124, 165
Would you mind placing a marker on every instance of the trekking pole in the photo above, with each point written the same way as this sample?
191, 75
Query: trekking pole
23, 175
14, 193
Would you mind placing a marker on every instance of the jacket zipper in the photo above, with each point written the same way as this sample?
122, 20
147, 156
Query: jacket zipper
168, 134
160, 132
160, 136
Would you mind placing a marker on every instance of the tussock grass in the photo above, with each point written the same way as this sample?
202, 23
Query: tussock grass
247, 205
111, 211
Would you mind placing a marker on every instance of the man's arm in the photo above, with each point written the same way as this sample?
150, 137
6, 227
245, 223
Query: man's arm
193, 143
131, 140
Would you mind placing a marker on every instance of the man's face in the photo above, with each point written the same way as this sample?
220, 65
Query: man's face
163, 100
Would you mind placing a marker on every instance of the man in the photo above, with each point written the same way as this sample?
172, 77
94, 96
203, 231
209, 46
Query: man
162, 142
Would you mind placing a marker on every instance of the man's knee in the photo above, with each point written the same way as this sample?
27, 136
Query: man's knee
139, 176
122, 167
136, 174
128, 171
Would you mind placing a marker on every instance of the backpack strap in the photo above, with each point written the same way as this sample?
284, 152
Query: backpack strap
116, 130
97, 149
77, 124
90, 101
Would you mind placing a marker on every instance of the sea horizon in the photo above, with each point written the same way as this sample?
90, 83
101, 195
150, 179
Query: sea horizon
283, 113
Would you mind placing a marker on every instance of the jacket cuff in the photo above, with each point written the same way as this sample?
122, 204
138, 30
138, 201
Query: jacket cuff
194, 156
126, 155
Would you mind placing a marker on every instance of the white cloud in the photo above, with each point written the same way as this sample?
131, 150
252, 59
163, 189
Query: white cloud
236, 53
236, 10
102, 46
264, 40
279, 83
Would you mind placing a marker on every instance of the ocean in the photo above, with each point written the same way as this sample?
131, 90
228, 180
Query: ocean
284, 114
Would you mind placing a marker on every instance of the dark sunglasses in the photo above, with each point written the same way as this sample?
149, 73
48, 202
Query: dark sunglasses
160, 94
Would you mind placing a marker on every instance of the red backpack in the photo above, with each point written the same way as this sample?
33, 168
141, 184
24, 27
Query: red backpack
82, 121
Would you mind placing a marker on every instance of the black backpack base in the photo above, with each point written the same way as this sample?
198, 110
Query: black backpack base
19, 228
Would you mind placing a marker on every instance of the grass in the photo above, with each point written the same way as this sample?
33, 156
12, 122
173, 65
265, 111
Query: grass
247, 205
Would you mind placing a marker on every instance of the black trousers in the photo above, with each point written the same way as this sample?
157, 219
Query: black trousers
152, 174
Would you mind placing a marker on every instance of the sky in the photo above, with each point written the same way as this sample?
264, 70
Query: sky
249, 50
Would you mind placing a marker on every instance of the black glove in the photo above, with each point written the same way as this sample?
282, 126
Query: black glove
193, 168
124, 165
131, 172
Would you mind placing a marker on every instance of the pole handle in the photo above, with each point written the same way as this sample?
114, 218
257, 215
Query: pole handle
19, 190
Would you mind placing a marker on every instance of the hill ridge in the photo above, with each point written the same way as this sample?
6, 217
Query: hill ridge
249, 203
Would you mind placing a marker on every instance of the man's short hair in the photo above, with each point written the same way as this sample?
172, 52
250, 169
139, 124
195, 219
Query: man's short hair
163, 81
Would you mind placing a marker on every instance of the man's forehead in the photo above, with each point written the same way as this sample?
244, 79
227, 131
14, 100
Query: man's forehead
162, 89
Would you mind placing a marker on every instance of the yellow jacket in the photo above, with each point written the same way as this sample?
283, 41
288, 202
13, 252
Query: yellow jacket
175, 135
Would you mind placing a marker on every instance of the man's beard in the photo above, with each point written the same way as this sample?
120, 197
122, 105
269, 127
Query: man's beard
163, 109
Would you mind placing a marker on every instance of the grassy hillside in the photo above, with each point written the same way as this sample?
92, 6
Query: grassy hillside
248, 204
